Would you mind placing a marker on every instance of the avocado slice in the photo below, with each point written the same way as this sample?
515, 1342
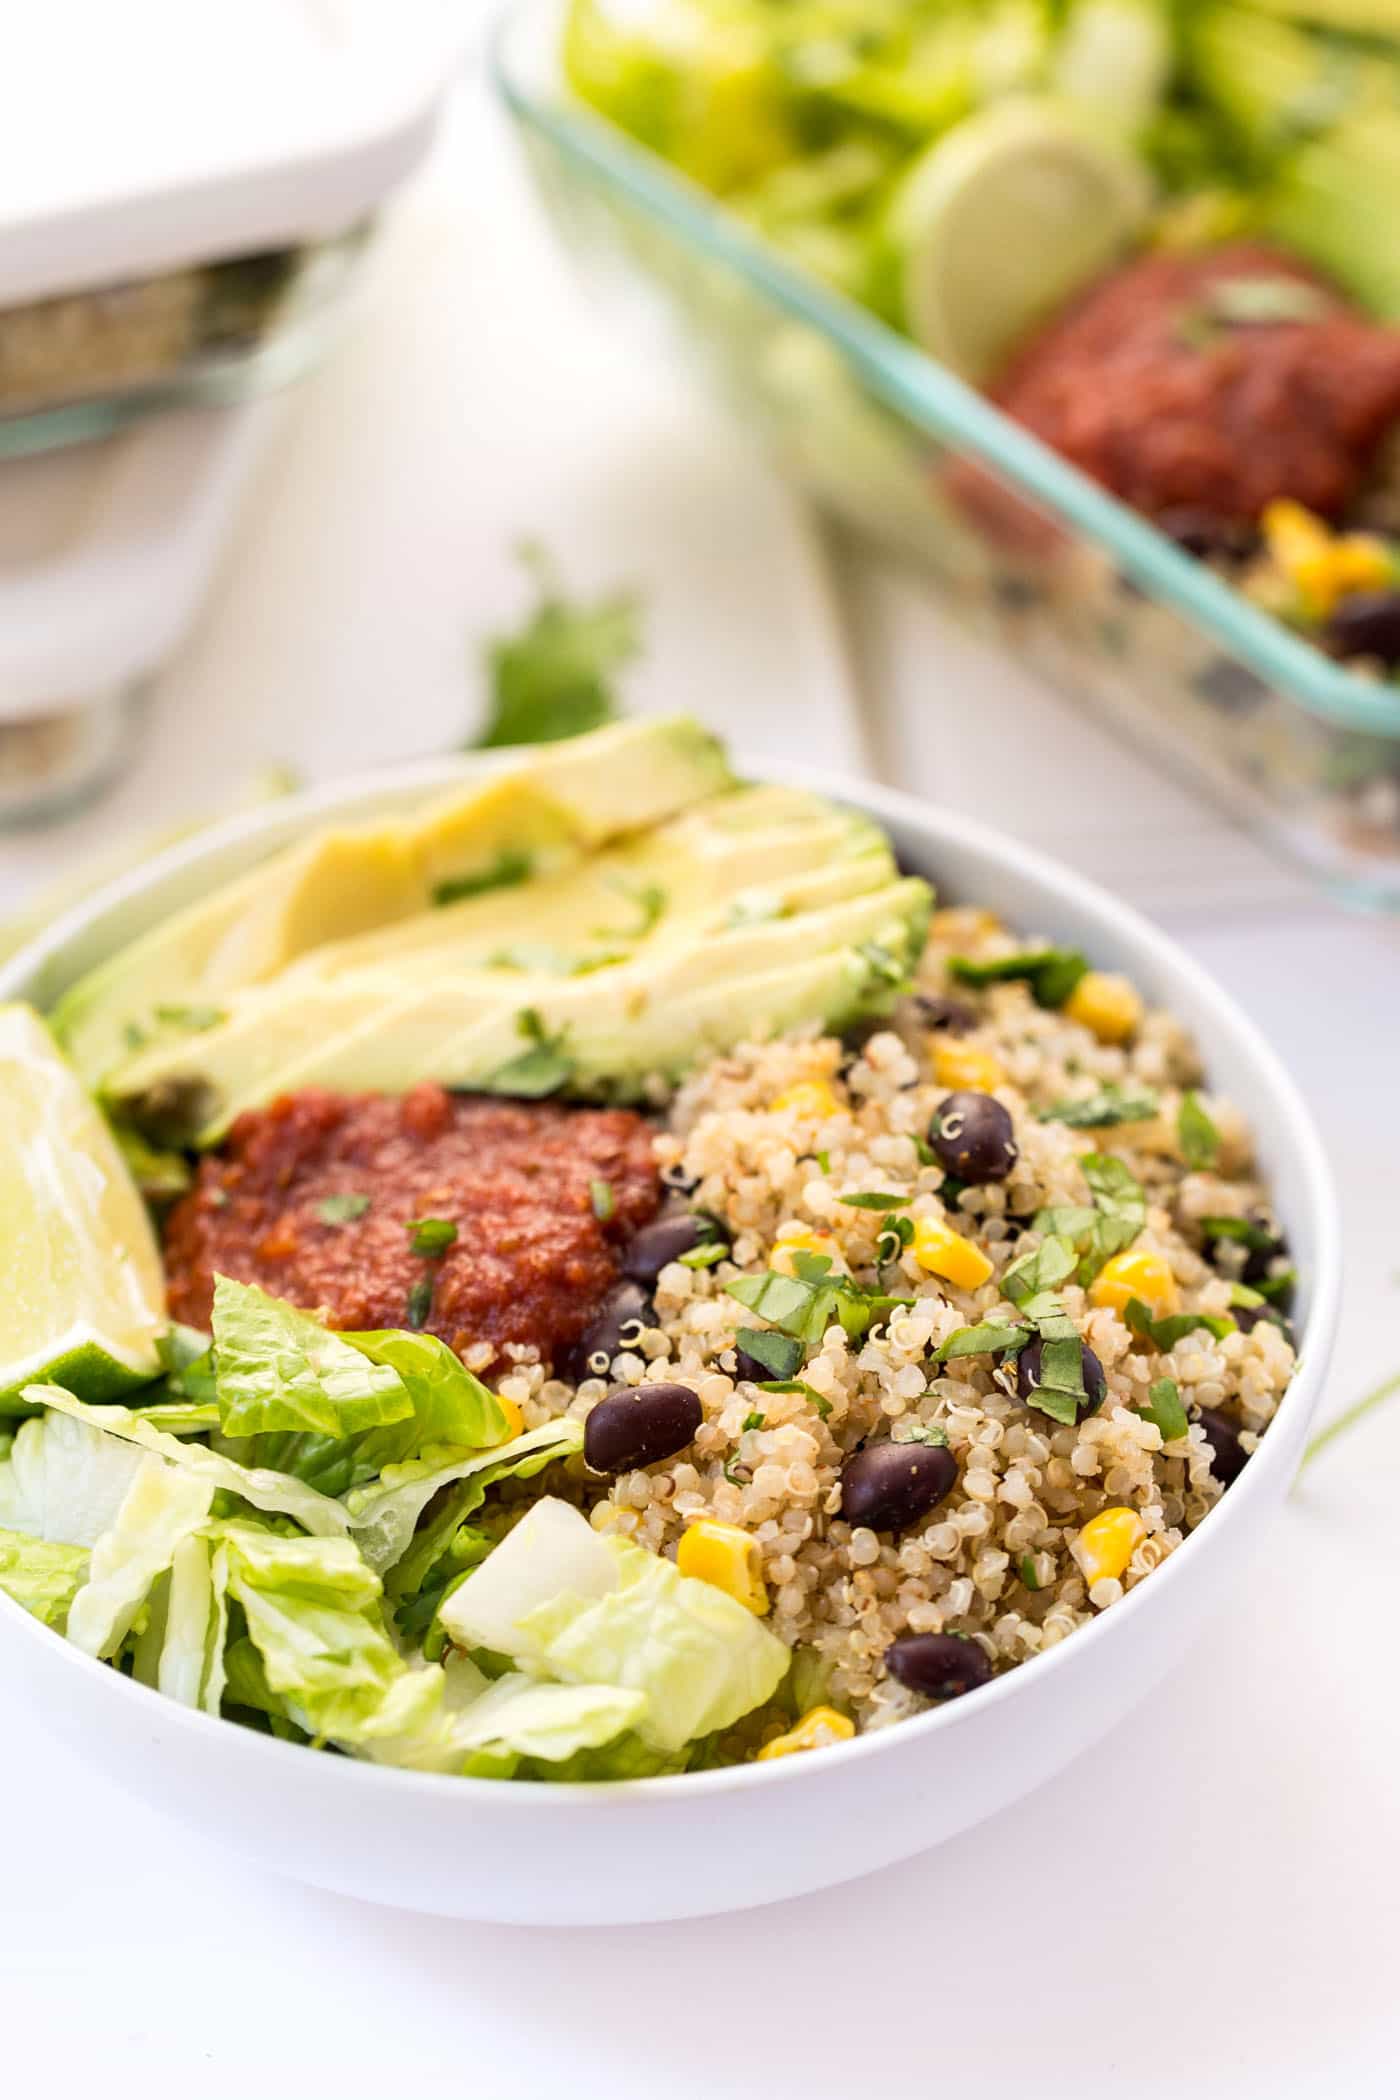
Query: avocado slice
555, 807
615, 1029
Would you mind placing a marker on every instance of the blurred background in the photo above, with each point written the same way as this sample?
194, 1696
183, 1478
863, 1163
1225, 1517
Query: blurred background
994, 397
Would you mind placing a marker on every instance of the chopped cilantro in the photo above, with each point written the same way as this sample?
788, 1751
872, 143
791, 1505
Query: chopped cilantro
1277, 1290
1052, 973
1168, 1331
556, 678
195, 1018
824, 1162
922, 1433
875, 1201
798, 1385
650, 901
898, 1234
753, 1421
540, 1070
1257, 1238
705, 1255
804, 1305
1027, 1571
1165, 1409
1196, 1134
987, 1338
778, 1353
430, 1237
1113, 1222
510, 867
1053, 1262
1112, 1104
600, 1196
342, 1208
420, 1302
134, 1035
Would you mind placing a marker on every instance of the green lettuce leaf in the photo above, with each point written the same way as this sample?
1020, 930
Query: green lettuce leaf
191, 1665
312, 1611
566, 1603
278, 1368
264, 1489
43, 1575
162, 1507
384, 1515
444, 1404
65, 1481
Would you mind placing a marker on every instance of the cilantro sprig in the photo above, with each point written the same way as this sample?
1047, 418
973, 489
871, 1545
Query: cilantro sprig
1051, 973
1110, 1105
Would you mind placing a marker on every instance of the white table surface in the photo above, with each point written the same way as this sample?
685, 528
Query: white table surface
1205, 1905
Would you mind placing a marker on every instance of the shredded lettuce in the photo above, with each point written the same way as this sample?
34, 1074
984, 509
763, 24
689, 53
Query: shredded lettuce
278, 1368
162, 1507
43, 1575
264, 1489
384, 1516
565, 1602
64, 1480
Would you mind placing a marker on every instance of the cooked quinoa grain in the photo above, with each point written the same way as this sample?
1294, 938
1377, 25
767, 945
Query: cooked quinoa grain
998, 1560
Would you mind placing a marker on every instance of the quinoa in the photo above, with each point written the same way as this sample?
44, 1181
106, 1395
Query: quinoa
994, 1561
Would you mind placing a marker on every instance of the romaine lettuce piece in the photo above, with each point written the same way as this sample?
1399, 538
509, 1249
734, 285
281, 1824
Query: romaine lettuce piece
564, 1602
335, 1409
266, 1490
43, 1575
278, 1368
64, 1480
191, 1666
162, 1507
384, 1514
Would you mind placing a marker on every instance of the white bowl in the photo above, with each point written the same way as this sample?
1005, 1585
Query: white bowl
711, 1841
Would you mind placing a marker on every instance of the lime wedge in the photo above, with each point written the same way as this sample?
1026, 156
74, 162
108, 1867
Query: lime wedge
1001, 221
82, 1297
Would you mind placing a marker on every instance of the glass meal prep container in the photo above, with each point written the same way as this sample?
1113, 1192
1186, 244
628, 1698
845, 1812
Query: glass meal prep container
182, 212
1095, 597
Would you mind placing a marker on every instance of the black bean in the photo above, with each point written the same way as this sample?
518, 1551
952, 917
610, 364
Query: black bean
952, 1016
1258, 1260
974, 1137
1202, 533
939, 1665
1368, 624
666, 1239
639, 1424
1230, 1458
746, 1366
1028, 1377
617, 1323
1247, 1317
890, 1486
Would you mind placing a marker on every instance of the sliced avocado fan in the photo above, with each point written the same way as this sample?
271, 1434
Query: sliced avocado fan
546, 813
757, 911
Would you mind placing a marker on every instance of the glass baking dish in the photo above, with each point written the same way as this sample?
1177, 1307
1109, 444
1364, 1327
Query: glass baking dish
85, 363
1019, 543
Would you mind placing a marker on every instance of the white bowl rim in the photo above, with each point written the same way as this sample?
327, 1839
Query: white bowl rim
936, 826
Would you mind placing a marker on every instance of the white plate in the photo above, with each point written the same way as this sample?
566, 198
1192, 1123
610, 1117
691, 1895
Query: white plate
721, 1840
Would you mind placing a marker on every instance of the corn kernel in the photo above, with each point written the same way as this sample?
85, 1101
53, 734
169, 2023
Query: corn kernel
1136, 1274
964, 1067
801, 1243
1321, 567
726, 1556
823, 1725
946, 1253
1107, 1543
1106, 1005
812, 1098
515, 1421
